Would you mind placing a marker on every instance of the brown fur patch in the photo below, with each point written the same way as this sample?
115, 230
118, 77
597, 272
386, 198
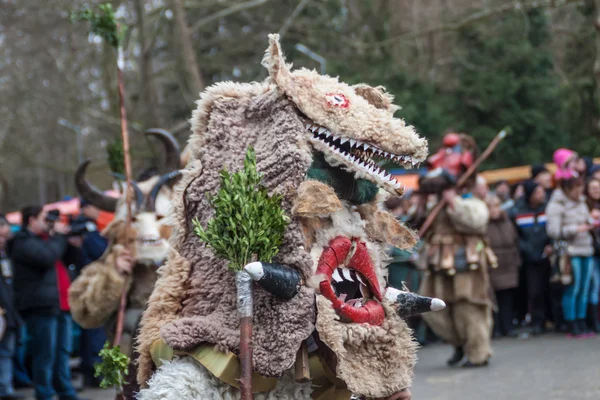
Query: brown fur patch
383, 227
163, 306
373, 361
315, 198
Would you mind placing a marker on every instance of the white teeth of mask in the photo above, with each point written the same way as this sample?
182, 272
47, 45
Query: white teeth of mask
336, 275
347, 275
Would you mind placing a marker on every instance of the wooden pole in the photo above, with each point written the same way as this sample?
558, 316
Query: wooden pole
461, 181
245, 310
129, 191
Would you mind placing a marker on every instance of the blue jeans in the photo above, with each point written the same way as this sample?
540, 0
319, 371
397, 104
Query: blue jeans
7, 349
595, 286
92, 341
575, 298
20, 374
50, 348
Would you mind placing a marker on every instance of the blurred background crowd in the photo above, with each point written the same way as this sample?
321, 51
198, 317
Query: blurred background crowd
545, 232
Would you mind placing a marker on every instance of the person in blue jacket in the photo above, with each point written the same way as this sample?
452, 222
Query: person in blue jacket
94, 245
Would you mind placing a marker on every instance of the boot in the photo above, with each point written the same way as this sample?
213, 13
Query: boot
574, 329
583, 326
470, 364
457, 357
593, 317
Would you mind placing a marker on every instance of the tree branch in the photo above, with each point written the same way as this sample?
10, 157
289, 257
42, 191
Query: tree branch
478, 16
288, 22
226, 12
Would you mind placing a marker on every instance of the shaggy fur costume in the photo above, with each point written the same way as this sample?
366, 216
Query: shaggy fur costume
185, 378
467, 319
194, 301
374, 361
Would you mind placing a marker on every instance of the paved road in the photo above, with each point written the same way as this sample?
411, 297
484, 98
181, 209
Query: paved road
545, 368
550, 367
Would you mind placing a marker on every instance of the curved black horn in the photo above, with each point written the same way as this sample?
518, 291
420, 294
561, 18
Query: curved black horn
139, 195
92, 194
164, 179
172, 150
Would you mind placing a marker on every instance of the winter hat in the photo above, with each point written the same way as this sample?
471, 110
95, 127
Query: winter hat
595, 168
529, 187
537, 169
561, 157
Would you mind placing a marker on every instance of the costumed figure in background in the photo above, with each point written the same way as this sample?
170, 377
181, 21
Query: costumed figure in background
456, 256
323, 298
131, 260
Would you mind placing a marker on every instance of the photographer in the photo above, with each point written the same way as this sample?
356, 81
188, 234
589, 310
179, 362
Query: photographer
92, 248
41, 282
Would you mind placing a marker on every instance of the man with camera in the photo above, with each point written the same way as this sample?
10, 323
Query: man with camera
40, 256
93, 247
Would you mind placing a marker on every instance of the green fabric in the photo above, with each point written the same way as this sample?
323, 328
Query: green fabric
356, 191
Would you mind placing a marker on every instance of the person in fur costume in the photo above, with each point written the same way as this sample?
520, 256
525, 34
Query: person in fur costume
456, 259
317, 142
130, 263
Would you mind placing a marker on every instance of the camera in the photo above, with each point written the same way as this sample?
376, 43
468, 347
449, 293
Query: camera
80, 225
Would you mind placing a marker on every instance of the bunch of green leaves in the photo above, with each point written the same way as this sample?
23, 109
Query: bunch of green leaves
114, 367
103, 22
247, 220
116, 157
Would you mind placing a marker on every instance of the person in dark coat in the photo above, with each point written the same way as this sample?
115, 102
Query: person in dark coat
10, 315
504, 241
93, 247
529, 217
41, 283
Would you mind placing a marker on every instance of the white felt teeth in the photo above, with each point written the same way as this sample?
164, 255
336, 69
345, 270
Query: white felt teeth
360, 279
347, 275
364, 164
336, 276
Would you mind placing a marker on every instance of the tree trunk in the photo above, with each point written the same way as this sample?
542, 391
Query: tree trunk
188, 54
244, 295
148, 99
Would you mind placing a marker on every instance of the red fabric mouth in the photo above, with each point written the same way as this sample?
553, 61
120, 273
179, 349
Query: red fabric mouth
354, 281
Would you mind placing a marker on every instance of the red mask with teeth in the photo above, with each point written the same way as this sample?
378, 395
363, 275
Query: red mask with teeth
351, 283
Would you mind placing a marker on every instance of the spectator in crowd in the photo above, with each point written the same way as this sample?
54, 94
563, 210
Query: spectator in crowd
595, 172
541, 175
10, 315
94, 245
535, 246
481, 188
569, 221
583, 166
504, 241
502, 191
41, 282
517, 191
592, 192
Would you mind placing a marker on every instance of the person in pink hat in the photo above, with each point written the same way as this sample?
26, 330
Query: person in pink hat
569, 222
565, 160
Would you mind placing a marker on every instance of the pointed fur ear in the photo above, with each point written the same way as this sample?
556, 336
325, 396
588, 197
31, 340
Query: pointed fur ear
274, 62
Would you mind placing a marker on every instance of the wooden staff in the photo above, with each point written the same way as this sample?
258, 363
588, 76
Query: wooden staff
129, 191
461, 181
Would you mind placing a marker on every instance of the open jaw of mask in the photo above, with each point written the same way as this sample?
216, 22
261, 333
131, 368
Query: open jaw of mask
360, 156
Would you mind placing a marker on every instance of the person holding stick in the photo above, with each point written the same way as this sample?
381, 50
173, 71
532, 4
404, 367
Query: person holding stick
130, 264
456, 256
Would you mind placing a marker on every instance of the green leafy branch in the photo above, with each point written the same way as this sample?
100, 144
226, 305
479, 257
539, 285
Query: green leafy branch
103, 23
247, 221
114, 367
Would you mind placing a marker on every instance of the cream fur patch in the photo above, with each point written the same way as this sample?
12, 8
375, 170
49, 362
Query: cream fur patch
374, 361
186, 379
